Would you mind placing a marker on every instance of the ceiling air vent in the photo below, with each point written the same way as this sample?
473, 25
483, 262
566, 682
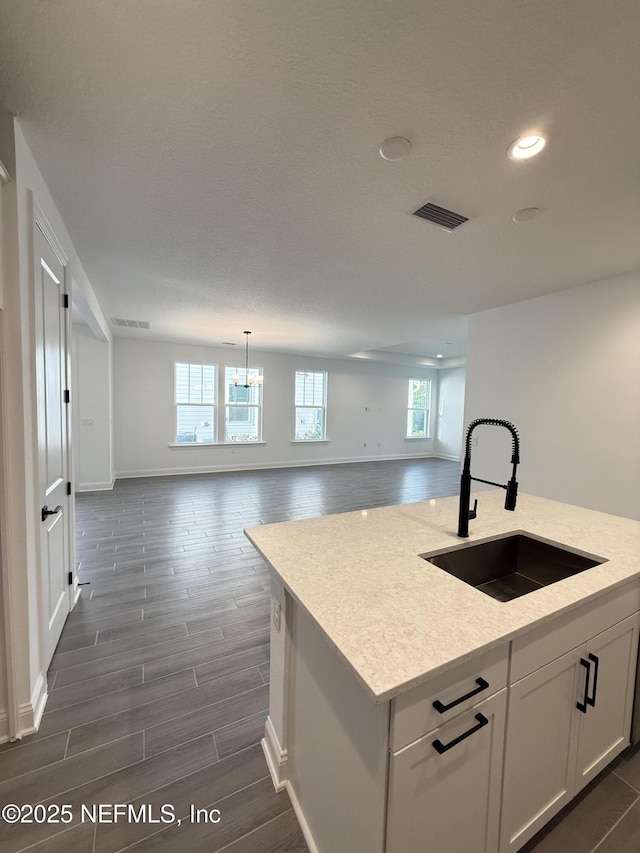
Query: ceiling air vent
440, 216
132, 324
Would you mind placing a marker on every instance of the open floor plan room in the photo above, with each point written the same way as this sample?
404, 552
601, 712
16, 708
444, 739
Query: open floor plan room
159, 685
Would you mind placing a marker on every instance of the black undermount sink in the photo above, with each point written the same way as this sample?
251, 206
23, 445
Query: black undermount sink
511, 566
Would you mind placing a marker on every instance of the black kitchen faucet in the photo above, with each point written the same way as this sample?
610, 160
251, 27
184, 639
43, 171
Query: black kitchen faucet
464, 513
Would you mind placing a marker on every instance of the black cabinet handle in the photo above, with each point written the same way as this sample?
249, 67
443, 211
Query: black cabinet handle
441, 708
443, 747
45, 511
589, 700
596, 660
582, 706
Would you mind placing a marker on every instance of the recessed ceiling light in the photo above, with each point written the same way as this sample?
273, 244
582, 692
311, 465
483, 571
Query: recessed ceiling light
439, 355
527, 146
395, 148
526, 214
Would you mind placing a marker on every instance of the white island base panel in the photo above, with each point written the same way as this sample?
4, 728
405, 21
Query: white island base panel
338, 743
366, 778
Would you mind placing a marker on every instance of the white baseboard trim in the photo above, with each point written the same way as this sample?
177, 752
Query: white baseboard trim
304, 826
103, 486
276, 756
35, 709
253, 466
450, 457
29, 713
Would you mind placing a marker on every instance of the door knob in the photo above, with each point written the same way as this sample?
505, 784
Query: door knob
46, 511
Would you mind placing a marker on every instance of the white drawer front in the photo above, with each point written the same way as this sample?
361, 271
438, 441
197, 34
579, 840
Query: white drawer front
413, 714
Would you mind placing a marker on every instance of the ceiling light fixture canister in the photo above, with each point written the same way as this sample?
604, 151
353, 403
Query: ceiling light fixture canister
526, 214
395, 148
248, 380
527, 146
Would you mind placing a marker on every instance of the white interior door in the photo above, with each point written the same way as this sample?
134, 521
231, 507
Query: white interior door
51, 383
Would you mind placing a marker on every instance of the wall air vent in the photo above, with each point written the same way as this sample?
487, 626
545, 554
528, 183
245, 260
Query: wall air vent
440, 216
132, 324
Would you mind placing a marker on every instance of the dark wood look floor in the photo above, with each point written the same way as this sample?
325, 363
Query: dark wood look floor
159, 685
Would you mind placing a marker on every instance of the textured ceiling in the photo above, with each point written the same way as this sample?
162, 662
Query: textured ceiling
217, 166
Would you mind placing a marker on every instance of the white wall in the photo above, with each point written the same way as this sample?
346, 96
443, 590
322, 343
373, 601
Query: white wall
93, 411
366, 406
450, 412
565, 368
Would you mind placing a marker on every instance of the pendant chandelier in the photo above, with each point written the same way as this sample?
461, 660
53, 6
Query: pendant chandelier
248, 380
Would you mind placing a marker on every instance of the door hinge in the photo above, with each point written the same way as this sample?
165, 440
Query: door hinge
68, 488
70, 579
67, 396
65, 300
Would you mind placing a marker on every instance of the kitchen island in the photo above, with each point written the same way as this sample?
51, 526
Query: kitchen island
366, 636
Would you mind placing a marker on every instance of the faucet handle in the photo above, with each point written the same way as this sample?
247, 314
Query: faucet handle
473, 512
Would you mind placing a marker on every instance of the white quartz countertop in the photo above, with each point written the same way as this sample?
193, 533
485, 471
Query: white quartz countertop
398, 620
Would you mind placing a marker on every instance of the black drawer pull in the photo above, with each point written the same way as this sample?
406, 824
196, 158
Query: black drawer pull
443, 747
482, 685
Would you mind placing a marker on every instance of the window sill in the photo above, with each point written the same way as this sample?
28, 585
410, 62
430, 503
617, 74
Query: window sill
184, 445
418, 438
309, 441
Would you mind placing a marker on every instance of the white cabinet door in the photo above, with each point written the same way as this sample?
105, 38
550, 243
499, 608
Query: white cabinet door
604, 728
449, 800
541, 748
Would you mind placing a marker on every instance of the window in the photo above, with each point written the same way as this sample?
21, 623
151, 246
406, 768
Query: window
418, 408
311, 406
195, 393
243, 406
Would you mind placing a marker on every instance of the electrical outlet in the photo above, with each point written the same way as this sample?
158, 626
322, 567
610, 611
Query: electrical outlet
277, 609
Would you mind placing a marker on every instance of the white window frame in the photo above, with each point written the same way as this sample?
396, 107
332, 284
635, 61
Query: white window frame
195, 404
322, 408
255, 404
412, 408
